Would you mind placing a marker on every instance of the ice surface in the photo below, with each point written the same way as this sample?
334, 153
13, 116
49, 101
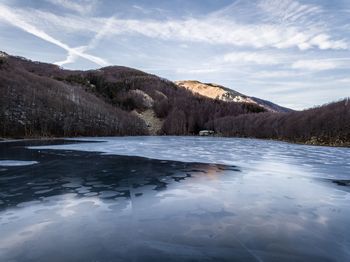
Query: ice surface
330, 162
16, 163
269, 204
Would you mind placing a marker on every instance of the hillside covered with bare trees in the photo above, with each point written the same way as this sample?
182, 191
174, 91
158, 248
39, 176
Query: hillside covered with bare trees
39, 99
43, 100
324, 125
32, 105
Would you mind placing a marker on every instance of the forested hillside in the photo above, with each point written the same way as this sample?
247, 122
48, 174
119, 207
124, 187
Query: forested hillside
324, 125
32, 105
39, 99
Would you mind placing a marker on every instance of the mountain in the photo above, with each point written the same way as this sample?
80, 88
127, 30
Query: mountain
41, 99
34, 104
219, 92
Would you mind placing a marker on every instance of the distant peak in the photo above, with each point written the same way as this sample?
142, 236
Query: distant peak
210, 90
215, 91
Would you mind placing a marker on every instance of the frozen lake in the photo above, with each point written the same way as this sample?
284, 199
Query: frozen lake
173, 199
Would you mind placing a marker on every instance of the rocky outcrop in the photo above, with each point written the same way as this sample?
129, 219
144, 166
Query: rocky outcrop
147, 101
153, 123
222, 93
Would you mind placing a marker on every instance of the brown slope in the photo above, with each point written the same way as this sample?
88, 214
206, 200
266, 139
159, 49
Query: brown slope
219, 92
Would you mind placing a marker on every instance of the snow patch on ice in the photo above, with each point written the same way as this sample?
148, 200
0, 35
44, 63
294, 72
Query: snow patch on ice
17, 163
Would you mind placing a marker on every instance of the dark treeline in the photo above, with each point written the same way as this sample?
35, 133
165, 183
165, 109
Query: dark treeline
185, 116
328, 124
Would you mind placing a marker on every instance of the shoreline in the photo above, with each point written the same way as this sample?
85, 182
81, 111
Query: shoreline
307, 143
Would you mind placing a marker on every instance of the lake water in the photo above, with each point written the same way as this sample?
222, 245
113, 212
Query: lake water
173, 199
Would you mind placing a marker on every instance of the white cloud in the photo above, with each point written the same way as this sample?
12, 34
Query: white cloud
290, 11
307, 25
315, 65
323, 42
149, 10
229, 33
251, 57
198, 70
211, 30
140, 8
344, 80
276, 74
79, 6
12, 18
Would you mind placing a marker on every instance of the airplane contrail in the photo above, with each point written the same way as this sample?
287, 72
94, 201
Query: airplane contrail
10, 17
71, 57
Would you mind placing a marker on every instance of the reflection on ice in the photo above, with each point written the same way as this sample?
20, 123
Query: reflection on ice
86, 206
316, 161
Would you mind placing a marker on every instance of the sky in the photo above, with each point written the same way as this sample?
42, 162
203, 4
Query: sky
294, 53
